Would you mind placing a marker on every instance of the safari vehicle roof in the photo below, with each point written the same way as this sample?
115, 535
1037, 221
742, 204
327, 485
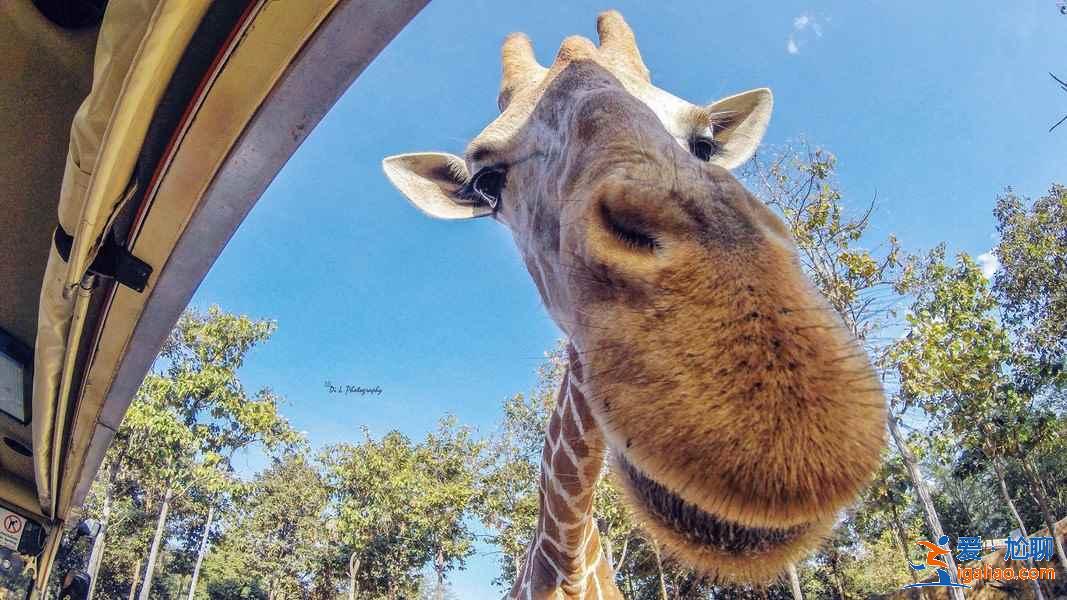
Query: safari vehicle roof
188, 109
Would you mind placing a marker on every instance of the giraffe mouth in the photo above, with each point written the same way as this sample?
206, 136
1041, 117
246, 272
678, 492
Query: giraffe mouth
701, 528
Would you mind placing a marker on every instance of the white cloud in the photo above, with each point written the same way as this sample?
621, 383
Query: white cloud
989, 264
802, 24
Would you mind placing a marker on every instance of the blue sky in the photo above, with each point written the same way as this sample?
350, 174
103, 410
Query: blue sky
934, 107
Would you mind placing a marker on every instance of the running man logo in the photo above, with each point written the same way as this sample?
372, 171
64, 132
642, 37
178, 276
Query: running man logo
1028, 549
933, 551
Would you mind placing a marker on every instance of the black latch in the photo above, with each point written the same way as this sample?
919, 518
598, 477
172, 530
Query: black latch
113, 261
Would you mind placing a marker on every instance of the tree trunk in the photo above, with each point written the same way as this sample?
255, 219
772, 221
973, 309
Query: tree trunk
353, 569
609, 552
1039, 482
439, 567
902, 540
794, 581
97, 556
833, 560
516, 561
202, 551
659, 569
97, 553
622, 555
998, 468
1046, 512
136, 579
932, 520
836, 576
146, 587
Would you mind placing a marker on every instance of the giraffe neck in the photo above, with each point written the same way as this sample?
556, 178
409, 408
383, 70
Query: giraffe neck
565, 558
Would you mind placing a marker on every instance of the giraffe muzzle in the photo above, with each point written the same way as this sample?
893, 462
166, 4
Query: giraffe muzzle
714, 545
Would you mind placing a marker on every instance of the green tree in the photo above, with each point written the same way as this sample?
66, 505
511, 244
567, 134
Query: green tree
400, 506
1031, 287
187, 419
954, 363
152, 449
1030, 284
374, 485
281, 531
199, 382
450, 459
883, 515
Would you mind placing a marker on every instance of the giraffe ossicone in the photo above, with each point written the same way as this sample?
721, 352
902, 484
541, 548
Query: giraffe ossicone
738, 413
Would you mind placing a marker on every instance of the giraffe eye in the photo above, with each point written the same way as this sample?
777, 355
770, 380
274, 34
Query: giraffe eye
704, 148
488, 184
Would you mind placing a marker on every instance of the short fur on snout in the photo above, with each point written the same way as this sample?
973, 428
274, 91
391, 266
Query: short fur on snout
740, 415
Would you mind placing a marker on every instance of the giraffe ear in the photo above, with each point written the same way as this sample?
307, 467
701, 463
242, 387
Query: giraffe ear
740, 122
432, 181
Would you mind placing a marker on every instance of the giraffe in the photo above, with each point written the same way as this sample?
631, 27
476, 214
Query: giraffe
738, 414
566, 558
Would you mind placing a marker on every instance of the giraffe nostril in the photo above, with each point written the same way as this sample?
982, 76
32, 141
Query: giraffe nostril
631, 232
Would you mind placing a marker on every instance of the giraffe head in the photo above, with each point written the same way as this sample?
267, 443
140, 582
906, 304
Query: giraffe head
740, 414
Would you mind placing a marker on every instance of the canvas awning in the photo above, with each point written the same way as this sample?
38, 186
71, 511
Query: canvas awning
194, 108
139, 44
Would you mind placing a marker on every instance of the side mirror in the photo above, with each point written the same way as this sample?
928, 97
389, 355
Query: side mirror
89, 528
74, 546
75, 586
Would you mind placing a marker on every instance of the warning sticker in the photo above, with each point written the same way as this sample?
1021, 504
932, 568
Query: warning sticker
11, 526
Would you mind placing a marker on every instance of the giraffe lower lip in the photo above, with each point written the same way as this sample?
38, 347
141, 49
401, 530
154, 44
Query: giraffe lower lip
701, 527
